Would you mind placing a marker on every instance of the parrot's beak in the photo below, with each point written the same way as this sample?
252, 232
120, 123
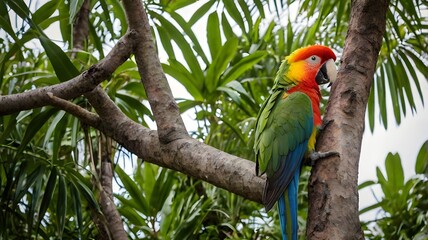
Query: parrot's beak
327, 73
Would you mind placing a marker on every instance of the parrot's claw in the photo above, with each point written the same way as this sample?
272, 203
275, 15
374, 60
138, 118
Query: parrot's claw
325, 124
314, 156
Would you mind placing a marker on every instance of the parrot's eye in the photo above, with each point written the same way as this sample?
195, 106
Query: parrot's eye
314, 60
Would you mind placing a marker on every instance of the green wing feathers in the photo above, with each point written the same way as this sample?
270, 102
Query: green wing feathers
281, 80
281, 125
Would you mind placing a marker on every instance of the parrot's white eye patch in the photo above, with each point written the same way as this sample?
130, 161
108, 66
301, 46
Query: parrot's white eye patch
313, 60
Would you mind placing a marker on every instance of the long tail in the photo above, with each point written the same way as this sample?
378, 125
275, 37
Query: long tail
287, 208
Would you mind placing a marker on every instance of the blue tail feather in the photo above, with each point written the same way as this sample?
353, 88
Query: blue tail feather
287, 208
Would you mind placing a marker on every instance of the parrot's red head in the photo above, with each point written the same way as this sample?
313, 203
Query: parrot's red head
309, 67
311, 63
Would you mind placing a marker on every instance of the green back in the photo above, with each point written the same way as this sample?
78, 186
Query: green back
282, 124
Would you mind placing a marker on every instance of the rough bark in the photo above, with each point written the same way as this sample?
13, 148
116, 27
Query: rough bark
81, 26
112, 215
165, 109
186, 155
72, 88
112, 227
333, 193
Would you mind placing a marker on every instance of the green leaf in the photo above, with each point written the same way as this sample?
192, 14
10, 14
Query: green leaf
8, 127
26, 181
269, 32
148, 173
247, 14
184, 46
47, 196
36, 123
371, 108
175, 5
242, 66
36, 191
129, 203
106, 19
371, 207
386, 189
394, 171
200, 12
119, 12
420, 65
77, 206
166, 41
290, 35
235, 129
61, 207
136, 88
75, 127
218, 66
227, 28
187, 104
82, 185
134, 192
260, 8
187, 28
405, 83
132, 216
96, 40
410, 68
235, 14
5, 21
310, 35
176, 70
75, 6
366, 184
281, 39
137, 106
393, 89
213, 35
339, 16
162, 188
64, 25
382, 97
45, 11
421, 166
56, 127
64, 68
15, 50
20, 8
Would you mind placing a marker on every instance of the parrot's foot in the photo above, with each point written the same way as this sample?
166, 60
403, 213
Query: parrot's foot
314, 156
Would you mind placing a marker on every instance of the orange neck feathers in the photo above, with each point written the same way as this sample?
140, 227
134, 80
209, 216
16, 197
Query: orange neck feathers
311, 89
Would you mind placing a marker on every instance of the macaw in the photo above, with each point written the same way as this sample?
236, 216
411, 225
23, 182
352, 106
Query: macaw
287, 126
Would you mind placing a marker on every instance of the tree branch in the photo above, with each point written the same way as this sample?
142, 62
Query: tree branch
333, 192
186, 155
84, 115
75, 87
165, 109
173, 148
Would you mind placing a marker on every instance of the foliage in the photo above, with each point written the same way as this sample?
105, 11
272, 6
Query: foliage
48, 158
402, 210
402, 60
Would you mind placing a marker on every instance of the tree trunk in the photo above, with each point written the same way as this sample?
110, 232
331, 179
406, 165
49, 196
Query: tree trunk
333, 193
